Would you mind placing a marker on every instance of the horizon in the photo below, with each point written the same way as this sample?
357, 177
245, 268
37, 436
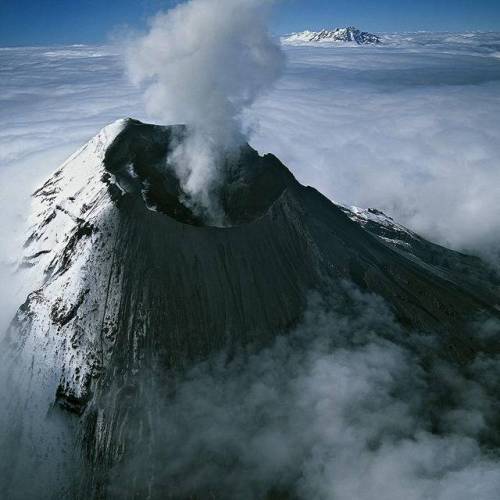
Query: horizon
27, 23
110, 41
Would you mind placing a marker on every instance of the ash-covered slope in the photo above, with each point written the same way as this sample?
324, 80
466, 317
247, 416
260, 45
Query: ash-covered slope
469, 272
130, 280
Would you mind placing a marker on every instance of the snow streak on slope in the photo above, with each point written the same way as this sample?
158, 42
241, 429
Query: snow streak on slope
52, 100
65, 262
363, 216
72, 217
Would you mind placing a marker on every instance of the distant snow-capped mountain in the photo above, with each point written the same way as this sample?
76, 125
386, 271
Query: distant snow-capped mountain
346, 35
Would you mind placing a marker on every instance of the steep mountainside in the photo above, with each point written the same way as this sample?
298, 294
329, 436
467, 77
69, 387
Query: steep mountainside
130, 280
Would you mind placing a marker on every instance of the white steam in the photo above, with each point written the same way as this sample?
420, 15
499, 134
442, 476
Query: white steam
203, 63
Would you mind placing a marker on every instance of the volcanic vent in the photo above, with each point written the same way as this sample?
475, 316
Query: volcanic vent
139, 161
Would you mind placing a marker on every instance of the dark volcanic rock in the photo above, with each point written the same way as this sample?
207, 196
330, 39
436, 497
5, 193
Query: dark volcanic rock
132, 280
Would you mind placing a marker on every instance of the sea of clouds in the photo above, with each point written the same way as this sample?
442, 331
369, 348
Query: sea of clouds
410, 127
343, 408
348, 406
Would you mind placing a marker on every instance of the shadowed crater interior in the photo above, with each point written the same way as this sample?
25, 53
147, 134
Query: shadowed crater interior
138, 158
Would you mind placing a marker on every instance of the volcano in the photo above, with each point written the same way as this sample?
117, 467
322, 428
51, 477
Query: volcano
130, 280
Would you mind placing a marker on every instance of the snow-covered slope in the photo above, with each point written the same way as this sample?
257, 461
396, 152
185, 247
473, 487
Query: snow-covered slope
349, 35
465, 270
57, 342
67, 253
371, 218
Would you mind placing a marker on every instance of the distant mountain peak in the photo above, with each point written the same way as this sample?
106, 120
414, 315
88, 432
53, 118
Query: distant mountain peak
349, 34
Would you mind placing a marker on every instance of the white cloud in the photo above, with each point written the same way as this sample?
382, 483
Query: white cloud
410, 127
336, 410
52, 99
202, 64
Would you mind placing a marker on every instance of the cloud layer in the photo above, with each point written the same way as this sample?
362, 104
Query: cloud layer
349, 406
409, 127
203, 63
344, 406
52, 100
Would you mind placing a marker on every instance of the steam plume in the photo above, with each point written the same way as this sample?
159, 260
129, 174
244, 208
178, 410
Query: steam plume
203, 63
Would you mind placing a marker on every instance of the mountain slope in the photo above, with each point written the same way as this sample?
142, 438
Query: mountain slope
466, 271
130, 280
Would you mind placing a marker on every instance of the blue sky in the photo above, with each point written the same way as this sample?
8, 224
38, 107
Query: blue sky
35, 22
